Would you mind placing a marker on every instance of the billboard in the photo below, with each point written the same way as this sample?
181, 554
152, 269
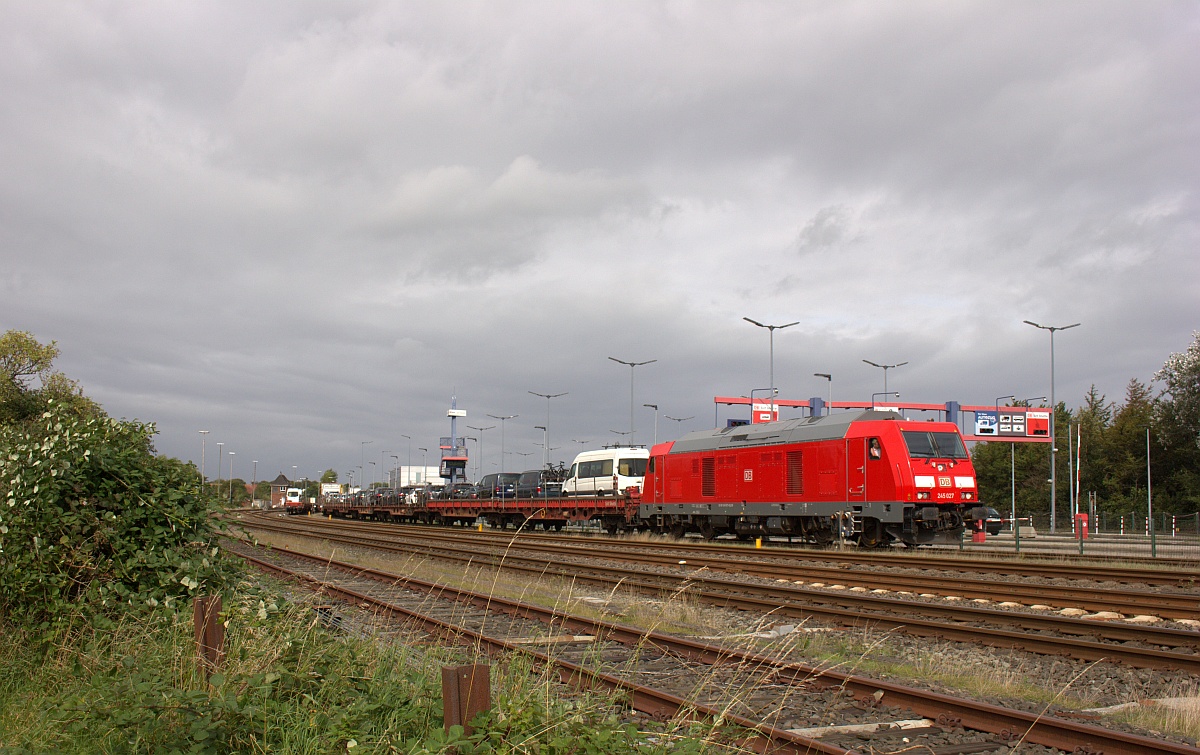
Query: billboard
762, 411
1013, 422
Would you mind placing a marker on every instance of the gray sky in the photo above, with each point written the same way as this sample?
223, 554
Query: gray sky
305, 225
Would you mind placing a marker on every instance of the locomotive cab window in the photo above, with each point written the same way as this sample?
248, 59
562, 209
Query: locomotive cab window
874, 450
932, 445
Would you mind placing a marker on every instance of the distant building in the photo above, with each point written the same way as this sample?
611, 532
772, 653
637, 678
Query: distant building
279, 488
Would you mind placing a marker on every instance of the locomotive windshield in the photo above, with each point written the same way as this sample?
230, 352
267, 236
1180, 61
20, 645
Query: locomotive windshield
927, 445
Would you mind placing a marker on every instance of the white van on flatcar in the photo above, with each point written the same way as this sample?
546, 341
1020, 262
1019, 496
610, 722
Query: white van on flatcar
609, 471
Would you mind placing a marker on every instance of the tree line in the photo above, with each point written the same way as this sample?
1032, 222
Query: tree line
1109, 439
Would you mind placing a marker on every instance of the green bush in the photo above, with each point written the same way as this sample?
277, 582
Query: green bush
93, 522
288, 685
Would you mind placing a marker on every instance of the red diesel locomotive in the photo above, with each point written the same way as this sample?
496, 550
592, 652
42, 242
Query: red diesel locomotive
869, 476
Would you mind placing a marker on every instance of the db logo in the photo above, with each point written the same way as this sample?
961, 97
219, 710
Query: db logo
944, 482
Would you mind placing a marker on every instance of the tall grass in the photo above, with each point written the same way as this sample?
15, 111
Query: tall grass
291, 685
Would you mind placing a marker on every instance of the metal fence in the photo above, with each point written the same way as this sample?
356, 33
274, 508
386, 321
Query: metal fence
1173, 536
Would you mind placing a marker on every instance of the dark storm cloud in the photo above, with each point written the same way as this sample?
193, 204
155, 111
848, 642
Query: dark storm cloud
306, 226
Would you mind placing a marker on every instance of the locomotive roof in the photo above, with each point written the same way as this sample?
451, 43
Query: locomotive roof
797, 430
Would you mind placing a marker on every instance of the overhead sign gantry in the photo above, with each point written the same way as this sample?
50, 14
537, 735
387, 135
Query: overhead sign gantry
1016, 424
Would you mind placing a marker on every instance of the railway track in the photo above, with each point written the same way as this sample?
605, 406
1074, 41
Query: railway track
787, 705
1130, 601
1085, 639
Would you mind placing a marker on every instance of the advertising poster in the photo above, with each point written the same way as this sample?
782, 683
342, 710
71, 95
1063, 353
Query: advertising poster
1037, 423
986, 423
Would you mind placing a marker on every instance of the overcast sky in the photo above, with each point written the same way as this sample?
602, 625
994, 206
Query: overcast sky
305, 225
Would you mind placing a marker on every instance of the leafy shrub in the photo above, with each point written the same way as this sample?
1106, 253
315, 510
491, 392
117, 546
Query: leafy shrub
92, 522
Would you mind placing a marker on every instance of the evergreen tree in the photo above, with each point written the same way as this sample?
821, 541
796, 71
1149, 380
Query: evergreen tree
1094, 420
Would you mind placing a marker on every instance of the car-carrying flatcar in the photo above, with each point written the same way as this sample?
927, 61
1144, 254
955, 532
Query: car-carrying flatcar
870, 476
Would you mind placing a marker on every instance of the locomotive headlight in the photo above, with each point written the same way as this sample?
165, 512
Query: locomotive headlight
922, 495
968, 496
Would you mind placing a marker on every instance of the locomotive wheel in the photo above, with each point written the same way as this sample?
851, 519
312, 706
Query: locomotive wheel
823, 537
707, 531
677, 531
872, 535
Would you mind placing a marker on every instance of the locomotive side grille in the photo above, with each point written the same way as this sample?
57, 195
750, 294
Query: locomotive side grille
795, 473
708, 477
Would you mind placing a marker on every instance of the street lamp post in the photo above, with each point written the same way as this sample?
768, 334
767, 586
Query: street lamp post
231, 455
631, 366
503, 421
655, 408
397, 483
771, 329
408, 470
581, 443
885, 368
998, 400
476, 457
254, 482
883, 393
480, 469
1012, 461
220, 461
1053, 411
373, 468
829, 377
546, 430
1012, 469
1150, 500
545, 445
424, 464
362, 458
203, 478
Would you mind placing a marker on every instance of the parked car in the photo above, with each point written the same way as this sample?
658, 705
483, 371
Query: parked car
536, 483
993, 522
467, 490
499, 485
457, 490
